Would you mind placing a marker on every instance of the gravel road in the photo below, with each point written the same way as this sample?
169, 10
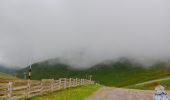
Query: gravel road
109, 93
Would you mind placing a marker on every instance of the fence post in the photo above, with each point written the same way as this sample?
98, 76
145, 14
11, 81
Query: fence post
79, 82
10, 91
28, 88
83, 81
69, 82
76, 81
41, 87
86, 82
65, 83
59, 85
52, 85
73, 82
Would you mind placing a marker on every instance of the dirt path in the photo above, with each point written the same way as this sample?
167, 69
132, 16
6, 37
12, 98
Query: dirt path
108, 93
156, 80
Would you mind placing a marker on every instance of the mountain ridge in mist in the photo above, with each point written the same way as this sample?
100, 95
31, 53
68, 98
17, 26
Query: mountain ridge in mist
6, 69
113, 73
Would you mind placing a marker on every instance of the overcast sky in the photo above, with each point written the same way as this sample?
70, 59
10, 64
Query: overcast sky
83, 32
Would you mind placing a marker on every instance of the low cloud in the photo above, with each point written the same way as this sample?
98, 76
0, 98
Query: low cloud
84, 33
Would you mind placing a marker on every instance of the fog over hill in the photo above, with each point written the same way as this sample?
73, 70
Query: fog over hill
84, 32
109, 73
7, 69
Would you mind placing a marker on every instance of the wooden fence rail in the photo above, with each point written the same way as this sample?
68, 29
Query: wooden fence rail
25, 89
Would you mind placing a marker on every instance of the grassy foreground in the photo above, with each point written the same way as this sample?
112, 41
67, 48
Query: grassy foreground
78, 93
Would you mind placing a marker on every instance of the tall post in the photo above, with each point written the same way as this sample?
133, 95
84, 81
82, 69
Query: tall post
29, 73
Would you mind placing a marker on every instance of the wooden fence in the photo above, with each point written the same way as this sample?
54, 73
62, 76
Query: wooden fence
25, 89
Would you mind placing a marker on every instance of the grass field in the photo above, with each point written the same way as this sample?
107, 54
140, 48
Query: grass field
152, 85
78, 93
4, 76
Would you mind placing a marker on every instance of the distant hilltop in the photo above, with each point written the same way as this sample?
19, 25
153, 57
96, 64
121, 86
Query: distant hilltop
8, 69
110, 73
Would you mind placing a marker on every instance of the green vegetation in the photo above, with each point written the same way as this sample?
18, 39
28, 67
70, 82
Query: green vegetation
152, 85
121, 73
78, 93
4, 76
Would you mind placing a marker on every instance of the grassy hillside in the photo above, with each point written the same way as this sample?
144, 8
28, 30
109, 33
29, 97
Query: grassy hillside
120, 73
6, 77
78, 93
151, 85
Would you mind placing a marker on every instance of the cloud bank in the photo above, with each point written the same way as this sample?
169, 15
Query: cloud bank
84, 32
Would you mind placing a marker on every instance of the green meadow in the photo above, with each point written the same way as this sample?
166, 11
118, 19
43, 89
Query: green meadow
152, 85
77, 93
4, 76
117, 74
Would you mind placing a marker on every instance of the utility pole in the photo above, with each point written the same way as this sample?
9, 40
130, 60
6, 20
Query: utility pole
29, 73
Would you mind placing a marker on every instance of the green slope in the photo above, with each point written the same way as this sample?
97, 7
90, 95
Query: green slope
6, 77
120, 73
151, 85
